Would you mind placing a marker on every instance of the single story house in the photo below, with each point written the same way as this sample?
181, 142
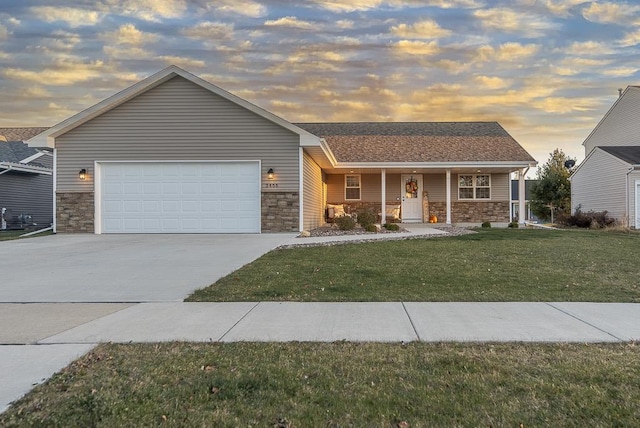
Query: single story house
176, 154
609, 177
26, 181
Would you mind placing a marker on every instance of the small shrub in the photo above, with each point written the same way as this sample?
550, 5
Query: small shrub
366, 218
486, 224
371, 228
345, 223
392, 227
590, 219
514, 225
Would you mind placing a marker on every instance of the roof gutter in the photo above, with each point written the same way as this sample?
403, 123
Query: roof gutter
485, 164
9, 166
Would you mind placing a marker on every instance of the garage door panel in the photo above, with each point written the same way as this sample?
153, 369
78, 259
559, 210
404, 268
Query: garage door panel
189, 197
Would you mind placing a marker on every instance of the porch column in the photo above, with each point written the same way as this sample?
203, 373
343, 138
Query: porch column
521, 196
383, 195
448, 196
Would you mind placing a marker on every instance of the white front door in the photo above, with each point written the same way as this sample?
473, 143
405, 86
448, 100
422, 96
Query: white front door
411, 198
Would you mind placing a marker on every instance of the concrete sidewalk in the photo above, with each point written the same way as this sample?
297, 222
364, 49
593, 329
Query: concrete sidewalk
360, 321
65, 332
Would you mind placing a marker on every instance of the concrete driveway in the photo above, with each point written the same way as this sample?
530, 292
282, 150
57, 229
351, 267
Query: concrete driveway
123, 268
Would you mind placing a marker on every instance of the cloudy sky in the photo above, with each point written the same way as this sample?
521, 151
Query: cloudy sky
547, 70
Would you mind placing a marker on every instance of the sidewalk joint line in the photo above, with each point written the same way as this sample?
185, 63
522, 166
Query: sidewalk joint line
411, 321
585, 322
238, 322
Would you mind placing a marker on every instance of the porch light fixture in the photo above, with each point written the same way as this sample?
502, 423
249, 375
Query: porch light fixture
82, 174
270, 174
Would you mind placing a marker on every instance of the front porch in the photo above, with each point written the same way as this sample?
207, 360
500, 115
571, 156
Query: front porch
450, 197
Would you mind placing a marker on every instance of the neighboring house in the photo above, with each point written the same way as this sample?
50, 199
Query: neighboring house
515, 201
176, 154
609, 177
26, 182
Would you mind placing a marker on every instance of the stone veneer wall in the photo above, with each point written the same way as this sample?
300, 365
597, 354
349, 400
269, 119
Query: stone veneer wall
74, 212
471, 212
280, 211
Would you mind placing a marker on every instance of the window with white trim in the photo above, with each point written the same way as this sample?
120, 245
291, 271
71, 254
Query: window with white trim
474, 186
352, 187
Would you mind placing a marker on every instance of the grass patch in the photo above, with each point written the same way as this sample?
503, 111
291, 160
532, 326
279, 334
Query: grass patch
340, 384
491, 265
8, 235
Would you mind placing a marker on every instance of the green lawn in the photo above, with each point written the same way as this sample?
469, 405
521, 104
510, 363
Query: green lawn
491, 265
8, 235
341, 384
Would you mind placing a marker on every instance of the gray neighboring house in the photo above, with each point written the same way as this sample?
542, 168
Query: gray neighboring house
609, 177
26, 180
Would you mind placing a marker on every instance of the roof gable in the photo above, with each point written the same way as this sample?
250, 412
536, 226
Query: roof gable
47, 138
620, 125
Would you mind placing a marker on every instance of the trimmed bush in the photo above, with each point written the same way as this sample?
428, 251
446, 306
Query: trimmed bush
486, 224
366, 218
514, 225
371, 228
345, 223
391, 226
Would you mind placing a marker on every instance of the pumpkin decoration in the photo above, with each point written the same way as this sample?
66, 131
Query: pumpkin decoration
433, 219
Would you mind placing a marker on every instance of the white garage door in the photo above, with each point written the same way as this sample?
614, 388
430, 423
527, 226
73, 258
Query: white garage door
185, 197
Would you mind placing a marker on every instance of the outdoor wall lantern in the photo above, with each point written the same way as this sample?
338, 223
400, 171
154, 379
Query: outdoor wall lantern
270, 174
82, 174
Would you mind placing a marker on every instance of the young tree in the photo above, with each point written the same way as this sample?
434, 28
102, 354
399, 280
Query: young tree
552, 191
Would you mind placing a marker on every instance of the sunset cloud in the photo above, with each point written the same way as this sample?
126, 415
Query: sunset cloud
511, 21
209, 30
128, 34
609, 12
71, 16
427, 29
63, 73
289, 21
415, 47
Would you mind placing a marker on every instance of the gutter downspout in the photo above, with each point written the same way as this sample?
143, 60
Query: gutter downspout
55, 184
6, 170
628, 204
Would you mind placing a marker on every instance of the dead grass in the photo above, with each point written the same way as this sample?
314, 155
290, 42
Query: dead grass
341, 384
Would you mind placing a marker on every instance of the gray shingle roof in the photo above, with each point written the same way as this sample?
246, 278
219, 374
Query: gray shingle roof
629, 154
12, 147
15, 151
419, 141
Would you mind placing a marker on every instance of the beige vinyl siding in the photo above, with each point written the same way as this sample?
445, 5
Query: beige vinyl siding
436, 186
599, 185
177, 120
620, 126
313, 206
